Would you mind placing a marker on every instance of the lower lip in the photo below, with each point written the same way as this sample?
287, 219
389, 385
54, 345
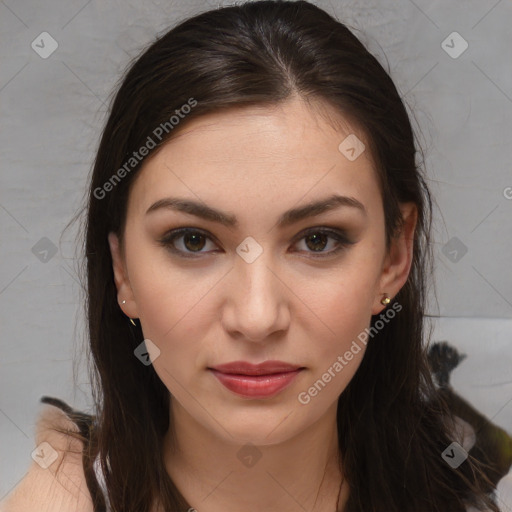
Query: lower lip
256, 386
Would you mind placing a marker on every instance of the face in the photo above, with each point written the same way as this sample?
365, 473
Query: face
242, 269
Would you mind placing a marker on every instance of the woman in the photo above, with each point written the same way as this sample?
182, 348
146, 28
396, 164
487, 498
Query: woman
257, 244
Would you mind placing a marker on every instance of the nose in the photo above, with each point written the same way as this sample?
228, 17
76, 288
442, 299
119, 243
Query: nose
256, 304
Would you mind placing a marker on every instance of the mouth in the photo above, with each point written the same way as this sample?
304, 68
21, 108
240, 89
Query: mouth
256, 381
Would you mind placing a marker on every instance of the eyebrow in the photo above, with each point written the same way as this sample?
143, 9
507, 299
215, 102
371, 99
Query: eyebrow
287, 218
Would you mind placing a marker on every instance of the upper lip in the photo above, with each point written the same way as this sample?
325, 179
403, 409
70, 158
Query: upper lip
265, 368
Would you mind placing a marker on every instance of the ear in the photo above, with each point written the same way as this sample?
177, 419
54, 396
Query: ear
398, 260
124, 290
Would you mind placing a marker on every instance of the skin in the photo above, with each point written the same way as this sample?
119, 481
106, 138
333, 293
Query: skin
256, 163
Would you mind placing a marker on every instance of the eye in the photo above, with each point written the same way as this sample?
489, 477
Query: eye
317, 239
186, 242
189, 240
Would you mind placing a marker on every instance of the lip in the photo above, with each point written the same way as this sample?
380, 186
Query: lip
262, 380
265, 368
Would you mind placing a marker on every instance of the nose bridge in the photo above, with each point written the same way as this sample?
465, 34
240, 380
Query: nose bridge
256, 301
257, 278
251, 266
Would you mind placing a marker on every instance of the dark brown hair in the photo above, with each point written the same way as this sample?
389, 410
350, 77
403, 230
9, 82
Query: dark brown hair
392, 423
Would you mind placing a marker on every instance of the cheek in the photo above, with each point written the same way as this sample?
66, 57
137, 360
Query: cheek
170, 309
173, 317
347, 314
343, 302
167, 295
345, 296
335, 356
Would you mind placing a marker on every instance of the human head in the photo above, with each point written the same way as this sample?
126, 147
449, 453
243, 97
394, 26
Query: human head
348, 82
258, 55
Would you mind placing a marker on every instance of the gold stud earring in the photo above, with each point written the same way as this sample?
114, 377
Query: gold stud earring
386, 300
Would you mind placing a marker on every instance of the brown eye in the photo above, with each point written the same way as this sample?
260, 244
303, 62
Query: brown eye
193, 242
187, 242
317, 241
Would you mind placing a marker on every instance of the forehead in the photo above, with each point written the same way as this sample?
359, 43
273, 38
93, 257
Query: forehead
259, 152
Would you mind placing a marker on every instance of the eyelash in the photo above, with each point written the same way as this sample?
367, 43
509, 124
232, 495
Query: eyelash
171, 236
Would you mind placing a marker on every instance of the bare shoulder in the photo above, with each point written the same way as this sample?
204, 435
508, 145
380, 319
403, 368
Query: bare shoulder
55, 480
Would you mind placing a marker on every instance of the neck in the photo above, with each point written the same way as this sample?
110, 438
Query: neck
217, 474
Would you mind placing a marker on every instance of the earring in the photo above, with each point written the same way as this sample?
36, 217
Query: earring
131, 319
386, 300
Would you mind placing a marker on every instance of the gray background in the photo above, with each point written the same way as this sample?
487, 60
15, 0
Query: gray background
53, 110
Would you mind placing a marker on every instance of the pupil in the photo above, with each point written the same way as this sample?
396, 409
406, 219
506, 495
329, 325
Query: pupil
195, 239
319, 241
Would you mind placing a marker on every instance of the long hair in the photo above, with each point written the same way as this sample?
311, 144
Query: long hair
393, 425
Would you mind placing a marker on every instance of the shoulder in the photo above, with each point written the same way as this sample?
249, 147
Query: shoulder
504, 492
55, 480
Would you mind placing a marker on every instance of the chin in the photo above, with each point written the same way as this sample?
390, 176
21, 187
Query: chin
256, 426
